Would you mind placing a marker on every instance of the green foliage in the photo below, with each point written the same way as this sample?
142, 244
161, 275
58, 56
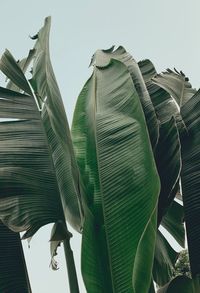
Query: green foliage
110, 138
13, 272
135, 135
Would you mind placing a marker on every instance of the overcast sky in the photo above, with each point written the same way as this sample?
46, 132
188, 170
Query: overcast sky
167, 32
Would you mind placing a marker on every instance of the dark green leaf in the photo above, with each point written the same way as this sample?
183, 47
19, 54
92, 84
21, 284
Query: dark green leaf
168, 161
176, 84
167, 153
13, 271
12, 70
164, 104
190, 178
181, 284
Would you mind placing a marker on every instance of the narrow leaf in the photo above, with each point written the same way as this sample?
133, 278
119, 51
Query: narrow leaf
12, 70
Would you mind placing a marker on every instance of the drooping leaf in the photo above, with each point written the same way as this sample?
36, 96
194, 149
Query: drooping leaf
190, 178
11, 69
167, 153
13, 271
181, 284
29, 196
58, 234
164, 260
165, 106
117, 166
176, 84
23, 64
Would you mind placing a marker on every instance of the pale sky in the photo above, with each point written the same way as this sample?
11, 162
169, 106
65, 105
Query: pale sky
167, 32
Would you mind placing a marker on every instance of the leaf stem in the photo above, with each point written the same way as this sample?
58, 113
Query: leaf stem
71, 269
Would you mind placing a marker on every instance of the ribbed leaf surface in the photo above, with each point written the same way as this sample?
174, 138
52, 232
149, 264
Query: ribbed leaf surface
40, 156
191, 178
102, 57
165, 106
56, 127
29, 196
12, 70
13, 272
117, 166
23, 64
176, 84
167, 153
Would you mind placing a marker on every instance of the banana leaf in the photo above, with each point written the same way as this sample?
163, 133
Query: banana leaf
190, 178
39, 177
117, 167
167, 153
176, 84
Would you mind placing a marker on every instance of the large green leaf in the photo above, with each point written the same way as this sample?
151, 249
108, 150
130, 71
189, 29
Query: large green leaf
190, 178
180, 89
181, 284
117, 166
13, 272
39, 177
164, 260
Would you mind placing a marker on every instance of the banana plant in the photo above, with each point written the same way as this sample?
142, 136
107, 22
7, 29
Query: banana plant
134, 148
